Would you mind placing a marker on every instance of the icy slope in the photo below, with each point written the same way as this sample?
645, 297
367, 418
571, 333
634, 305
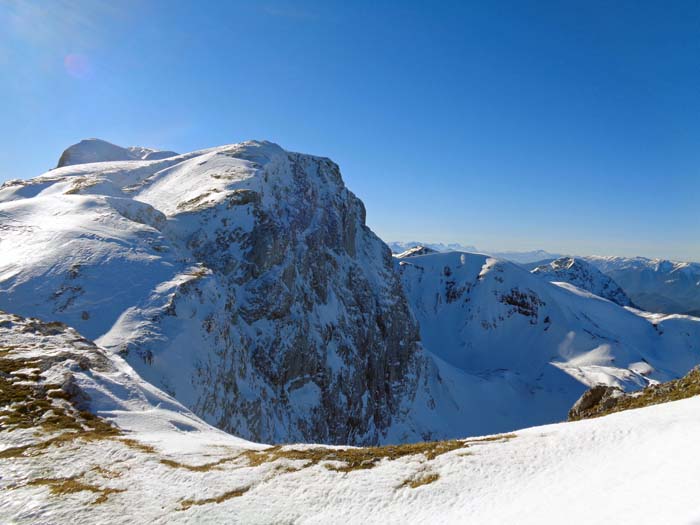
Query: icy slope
164, 465
512, 349
656, 285
583, 275
241, 279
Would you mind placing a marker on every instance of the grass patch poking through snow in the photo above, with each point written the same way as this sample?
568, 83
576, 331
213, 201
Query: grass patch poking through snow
341, 459
73, 484
236, 493
419, 481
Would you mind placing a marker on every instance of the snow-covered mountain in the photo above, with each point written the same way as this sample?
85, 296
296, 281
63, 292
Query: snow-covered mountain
402, 246
656, 285
398, 247
514, 349
583, 275
416, 250
111, 448
243, 281
96, 150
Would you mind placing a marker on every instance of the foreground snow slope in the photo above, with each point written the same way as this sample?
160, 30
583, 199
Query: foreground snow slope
164, 465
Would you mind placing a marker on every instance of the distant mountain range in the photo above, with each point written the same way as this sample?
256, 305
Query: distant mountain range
655, 285
518, 257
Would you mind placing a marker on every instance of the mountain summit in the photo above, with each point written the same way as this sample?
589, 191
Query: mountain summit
97, 150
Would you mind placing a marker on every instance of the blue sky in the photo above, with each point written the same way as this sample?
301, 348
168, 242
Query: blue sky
569, 126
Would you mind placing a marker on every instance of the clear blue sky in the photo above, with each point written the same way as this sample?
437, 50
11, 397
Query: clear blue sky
569, 126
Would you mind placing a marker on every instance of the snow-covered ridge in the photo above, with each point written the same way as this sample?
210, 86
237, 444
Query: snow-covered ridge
583, 275
416, 250
402, 246
514, 349
524, 257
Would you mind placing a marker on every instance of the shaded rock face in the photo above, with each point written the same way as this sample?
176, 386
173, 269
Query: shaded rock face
314, 341
595, 400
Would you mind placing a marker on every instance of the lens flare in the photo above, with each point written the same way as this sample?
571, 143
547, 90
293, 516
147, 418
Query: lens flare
77, 65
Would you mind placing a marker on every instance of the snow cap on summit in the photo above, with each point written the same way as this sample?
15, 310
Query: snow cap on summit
98, 150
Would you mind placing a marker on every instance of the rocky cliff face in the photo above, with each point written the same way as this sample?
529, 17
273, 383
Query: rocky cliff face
242, 280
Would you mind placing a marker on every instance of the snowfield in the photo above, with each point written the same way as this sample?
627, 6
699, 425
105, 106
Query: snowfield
168, 466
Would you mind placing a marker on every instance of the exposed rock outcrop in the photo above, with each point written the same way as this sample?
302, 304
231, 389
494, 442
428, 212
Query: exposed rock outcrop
603, 400
600, 398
